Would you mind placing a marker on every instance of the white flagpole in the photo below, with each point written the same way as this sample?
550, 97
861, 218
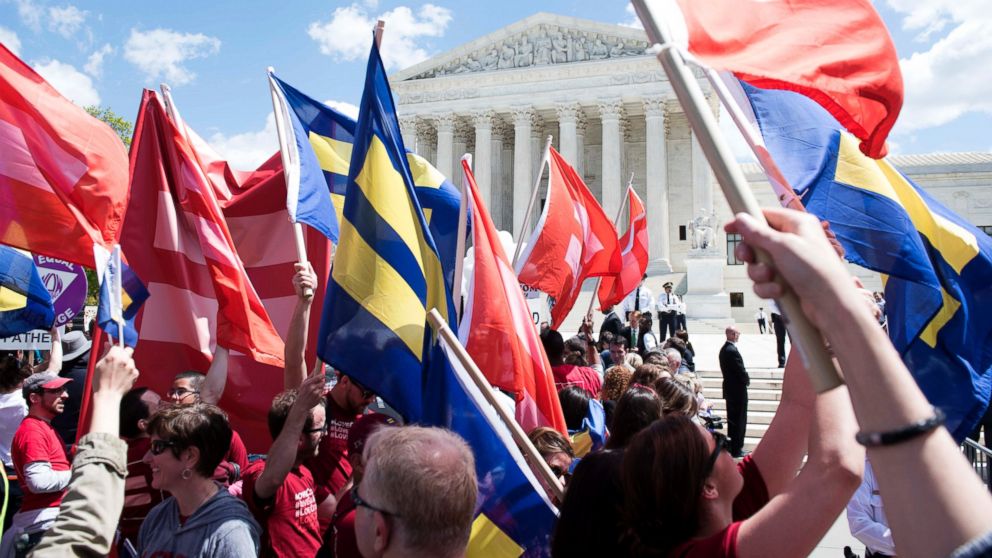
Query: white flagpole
740, 198
460, 242
114, 288
616, 223
475, 376
530, 205
290, 166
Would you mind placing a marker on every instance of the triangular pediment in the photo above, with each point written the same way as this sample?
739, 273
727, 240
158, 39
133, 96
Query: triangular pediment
540, 40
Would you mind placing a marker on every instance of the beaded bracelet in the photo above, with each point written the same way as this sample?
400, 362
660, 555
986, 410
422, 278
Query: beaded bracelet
908, 432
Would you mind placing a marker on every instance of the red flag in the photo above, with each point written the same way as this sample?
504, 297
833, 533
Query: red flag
177, 330
573, 240
63, 173
634, 246
838, 53
497, 330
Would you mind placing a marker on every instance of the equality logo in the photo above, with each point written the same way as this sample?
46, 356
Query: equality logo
67, 284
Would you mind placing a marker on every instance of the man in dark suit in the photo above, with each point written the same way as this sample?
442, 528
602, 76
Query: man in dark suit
611, 322
735, 382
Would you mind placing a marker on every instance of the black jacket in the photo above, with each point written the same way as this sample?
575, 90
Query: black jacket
611, 323
732, 365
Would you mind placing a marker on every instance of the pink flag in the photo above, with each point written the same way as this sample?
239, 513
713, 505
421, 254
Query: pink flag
63, 173
573, 240
497, 330
634, 246
243, 218
838, 53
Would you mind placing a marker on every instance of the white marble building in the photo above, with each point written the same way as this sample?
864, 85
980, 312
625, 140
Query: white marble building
612, 113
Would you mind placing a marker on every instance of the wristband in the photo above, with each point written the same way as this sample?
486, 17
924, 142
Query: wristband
899, 435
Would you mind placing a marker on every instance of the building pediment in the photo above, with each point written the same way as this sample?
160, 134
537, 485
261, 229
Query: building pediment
539, 40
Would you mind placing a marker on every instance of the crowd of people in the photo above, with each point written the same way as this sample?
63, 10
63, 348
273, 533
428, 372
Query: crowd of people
646, 473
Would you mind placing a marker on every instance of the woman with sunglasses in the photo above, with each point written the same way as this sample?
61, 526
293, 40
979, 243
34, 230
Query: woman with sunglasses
685, 496
200, 518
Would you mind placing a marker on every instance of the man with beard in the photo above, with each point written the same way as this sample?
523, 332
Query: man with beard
40, 461
279, 490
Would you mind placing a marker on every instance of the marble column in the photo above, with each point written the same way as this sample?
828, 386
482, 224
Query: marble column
445, 139
610, 113
523, 118
702, 189
482, 165
580, 145
656, 183
500, 194
461, 144
408, 129
568, 115
538, 139
426, 145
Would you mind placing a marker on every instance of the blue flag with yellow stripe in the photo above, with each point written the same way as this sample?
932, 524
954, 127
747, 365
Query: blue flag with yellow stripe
936, 266
323, 138
133, 295
25, 303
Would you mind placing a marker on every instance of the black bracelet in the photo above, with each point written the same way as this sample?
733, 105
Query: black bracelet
908, 432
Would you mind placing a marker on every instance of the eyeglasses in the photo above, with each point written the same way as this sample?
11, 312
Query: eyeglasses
321, 429
362, 503
179, 393
721, 443
158, 447
559, 473
366, 392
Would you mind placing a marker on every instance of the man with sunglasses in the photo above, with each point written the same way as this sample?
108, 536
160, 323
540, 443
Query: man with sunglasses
40, 460
279, 489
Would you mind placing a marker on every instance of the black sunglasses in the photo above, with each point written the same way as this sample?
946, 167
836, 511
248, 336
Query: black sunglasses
158, 447
721, 443
362, 503
321, 429
366, 392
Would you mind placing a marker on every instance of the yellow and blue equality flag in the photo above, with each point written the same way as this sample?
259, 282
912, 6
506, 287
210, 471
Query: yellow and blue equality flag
133, 295
387, 275
936, 266
25, 303
323, 139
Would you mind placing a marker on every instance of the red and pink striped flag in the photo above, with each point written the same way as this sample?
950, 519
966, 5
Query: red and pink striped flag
216, 251
634, 255
63, 173
497, 330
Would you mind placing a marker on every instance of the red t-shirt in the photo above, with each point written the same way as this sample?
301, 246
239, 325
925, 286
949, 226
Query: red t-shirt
238, 453
582, 376
288, 519
36, 441
330, 466
752, 498
344, 543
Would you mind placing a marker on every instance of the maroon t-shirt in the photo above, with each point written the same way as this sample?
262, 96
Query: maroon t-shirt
238, 453
582, 376
752, 498
288, 519
330, 466
36, 441
344, 543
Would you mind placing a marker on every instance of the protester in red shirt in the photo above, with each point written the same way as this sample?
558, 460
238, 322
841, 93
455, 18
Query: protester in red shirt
40, 460
279, 490
137, 406
570, 374
339, 538
685, 496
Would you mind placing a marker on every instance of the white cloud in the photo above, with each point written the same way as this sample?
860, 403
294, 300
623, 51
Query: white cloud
94, 64
66, 20
348, 34
10, 40
30, 14
632, 20
949, 79
247, 150
161, 53
70, 82
347, 109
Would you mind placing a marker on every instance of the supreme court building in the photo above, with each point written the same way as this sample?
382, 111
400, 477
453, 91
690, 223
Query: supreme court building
611, 113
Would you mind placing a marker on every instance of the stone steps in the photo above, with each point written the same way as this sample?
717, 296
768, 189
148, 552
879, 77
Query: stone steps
756, 383
753, 394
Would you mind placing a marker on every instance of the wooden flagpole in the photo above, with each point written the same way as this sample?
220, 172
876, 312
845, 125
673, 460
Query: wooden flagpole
475, 376
616, 223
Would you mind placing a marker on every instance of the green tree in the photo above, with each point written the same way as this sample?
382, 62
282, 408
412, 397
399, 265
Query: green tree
121, 125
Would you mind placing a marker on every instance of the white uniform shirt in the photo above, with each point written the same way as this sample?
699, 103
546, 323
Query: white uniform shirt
866, 516
668, 302
646, 300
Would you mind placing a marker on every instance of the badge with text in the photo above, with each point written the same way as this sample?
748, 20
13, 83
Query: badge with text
67, 284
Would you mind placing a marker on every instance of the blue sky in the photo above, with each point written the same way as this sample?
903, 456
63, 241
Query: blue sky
214, 55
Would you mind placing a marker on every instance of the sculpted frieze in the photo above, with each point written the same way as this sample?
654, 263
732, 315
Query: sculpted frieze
542, 46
